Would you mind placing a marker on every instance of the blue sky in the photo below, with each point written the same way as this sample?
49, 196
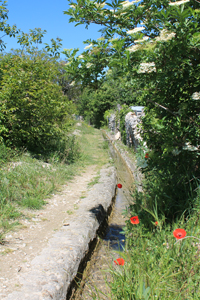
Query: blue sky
48, 15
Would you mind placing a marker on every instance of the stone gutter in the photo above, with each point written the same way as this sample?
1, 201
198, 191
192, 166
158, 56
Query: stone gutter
129, 162
52, 272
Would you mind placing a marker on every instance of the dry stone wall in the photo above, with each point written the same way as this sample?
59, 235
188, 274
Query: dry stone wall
132, 121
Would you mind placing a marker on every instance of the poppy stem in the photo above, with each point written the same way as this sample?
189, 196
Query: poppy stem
177, 240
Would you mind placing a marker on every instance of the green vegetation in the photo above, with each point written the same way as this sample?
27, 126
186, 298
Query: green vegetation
152, 52
148, 54
157, 266
26, 180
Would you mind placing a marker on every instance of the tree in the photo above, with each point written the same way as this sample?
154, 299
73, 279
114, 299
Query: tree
157, 49
5, 28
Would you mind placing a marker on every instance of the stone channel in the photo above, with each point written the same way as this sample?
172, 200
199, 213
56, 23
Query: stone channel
96, 277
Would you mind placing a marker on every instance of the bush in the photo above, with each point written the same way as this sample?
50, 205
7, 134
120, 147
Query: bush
32, 105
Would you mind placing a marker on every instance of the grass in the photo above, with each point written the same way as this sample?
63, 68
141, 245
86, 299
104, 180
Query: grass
94, 181
26, 181
156, 267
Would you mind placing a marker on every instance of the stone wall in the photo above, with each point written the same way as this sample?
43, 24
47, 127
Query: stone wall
132, 120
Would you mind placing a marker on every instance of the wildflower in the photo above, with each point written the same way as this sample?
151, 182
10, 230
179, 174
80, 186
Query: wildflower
145, 38
100, 5
119, 185
88, 65
147, 155
134, 220
179, 233
196, 96
119, 261
156, 223
178, 2
176, 152
133, 48
165, 35
136, 29
126, 4
147, 68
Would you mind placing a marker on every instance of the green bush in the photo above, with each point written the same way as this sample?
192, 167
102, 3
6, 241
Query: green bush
33, 108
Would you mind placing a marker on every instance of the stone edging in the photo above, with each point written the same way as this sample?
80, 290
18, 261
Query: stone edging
52, 272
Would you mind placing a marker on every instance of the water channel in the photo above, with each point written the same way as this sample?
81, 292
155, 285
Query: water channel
93, 284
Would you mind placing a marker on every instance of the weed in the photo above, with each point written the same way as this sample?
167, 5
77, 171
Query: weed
7, 251
94, 181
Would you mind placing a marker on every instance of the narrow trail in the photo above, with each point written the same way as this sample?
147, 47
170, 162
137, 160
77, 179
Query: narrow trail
25, 242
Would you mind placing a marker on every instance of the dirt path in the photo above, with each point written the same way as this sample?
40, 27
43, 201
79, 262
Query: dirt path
25, 243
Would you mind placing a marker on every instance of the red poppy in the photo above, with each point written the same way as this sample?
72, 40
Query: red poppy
119, 261
119, 185
156, 223
134, 220
147, 155
179, 233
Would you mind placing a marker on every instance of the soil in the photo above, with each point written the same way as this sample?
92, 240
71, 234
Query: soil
24, 243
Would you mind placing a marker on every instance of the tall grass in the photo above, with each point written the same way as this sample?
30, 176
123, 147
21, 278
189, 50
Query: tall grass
157, 265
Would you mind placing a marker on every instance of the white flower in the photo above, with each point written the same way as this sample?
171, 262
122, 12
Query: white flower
133, 48
165, 35
135, 30
196, 96
88, 65
72, 83
178, 2
72, 6
147, 68
89, 46
176, 152
81, 56
126, 4
145, 38
190, 147
100, 5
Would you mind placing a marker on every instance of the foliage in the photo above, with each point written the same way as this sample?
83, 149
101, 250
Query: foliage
33, 107
156, 265
93, 104
154, 46
5, 28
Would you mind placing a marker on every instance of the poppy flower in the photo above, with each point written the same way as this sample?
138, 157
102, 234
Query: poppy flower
119, 261
134, 220
147, 155
156, 223
179, 233
119, 185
